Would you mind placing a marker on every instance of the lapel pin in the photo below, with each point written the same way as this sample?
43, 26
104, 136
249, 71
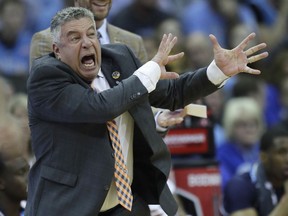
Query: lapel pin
116, 75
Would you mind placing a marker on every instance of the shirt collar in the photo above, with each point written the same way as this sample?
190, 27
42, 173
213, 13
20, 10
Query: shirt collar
104, 33
100, 74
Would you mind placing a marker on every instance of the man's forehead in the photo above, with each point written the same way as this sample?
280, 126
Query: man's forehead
81, 24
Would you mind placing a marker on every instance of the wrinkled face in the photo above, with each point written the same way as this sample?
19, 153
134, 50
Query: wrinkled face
100, 8
79, 48
276, 160
14, 179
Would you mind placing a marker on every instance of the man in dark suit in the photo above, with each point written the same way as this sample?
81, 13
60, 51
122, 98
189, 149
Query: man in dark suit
41, 44
69, 111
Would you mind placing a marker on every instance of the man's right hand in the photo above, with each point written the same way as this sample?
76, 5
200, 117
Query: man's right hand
162, 57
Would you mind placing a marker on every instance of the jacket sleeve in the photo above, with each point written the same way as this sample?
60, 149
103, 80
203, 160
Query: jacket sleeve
177, 93
57, 94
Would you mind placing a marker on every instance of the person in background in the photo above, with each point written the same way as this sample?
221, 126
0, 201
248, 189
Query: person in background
41, 42
7, 89
217, 17
272, 19
14, 43
243, 125
17, 106
284, 99
141, 17
41, 12
215, 103
197, 51
13, 164
264, 190
74, 99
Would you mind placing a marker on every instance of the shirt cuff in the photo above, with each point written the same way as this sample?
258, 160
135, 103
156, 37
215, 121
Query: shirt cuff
149, 74
215, 75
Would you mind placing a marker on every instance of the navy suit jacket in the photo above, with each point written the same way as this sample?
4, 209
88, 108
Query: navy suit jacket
75, 162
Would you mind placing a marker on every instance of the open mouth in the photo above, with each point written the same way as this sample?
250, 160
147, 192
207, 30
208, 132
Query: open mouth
88, 60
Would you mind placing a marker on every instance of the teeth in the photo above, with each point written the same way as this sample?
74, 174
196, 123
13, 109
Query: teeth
89, 65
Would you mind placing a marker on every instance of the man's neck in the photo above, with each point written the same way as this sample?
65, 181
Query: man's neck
99, 23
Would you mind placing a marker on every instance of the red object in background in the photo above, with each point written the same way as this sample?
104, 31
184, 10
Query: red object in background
190, 141
199, 188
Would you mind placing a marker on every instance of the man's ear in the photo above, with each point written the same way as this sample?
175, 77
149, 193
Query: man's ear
56, 51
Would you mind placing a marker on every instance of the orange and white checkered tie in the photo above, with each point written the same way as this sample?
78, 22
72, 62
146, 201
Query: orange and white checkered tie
124, 192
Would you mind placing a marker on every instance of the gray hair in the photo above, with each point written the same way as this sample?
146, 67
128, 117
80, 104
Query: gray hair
65, 15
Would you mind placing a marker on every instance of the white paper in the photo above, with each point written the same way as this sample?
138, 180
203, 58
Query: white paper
196, 110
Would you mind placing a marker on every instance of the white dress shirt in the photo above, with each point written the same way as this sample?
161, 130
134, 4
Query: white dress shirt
104, 33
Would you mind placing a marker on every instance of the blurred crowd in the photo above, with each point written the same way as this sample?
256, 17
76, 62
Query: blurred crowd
241, 111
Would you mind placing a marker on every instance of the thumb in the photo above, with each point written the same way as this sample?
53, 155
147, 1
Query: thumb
169, 75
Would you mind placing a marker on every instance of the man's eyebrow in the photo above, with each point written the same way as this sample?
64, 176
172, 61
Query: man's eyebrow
91, 27
71, 33
77, 32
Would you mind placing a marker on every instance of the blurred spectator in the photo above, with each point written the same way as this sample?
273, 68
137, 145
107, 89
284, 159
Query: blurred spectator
14, 43
284, 99
217, 17
118, 6
41, 12
266, 96
198, 50
141, 17
272, 18
13, 164
277, 67
250, 86
18, 108
170, 6
238, 32
6, 90
243, 124
263, 190
235, 36
215, 103
173, 26
13, 170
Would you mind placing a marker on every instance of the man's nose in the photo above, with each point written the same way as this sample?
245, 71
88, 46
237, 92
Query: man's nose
86, 42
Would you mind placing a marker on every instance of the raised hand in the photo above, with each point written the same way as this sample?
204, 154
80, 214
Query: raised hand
232, 62
162, 56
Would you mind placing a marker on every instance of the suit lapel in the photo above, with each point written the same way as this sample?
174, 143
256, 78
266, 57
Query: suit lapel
111, 72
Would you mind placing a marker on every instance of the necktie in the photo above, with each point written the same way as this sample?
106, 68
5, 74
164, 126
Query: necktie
124, 192
99, 36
